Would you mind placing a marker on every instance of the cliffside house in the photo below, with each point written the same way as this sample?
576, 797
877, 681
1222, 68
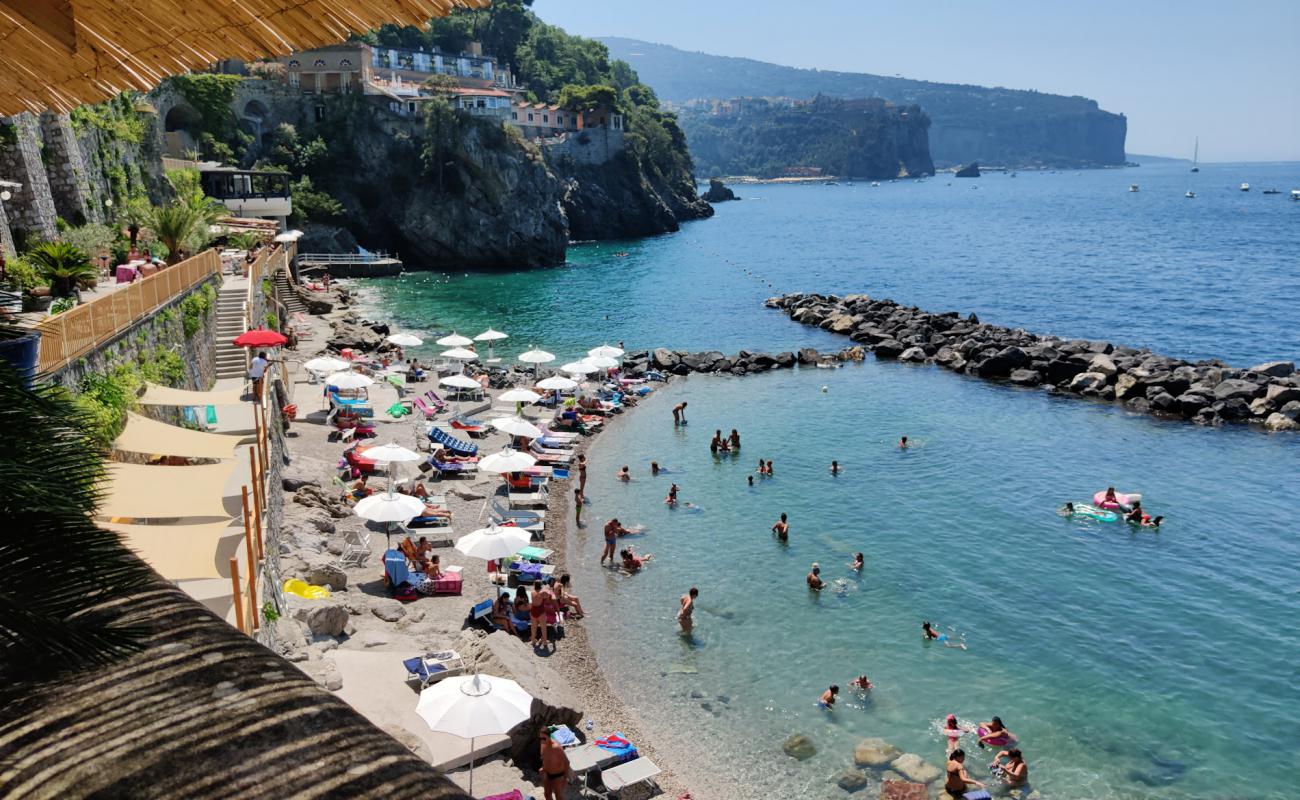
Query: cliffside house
357, 66
249, 193
542, 121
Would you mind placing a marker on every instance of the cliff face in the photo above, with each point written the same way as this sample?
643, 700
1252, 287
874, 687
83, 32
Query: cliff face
620, 199
1011, 127
852, 138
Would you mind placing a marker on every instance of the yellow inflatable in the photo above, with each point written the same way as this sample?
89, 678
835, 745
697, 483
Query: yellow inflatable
303, 589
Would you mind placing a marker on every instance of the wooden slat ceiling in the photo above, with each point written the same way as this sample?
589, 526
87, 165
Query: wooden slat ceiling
58, 54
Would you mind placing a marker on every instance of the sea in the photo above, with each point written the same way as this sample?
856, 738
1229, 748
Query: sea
1130, 663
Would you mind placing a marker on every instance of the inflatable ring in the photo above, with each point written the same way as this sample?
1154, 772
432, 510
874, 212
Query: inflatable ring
1125, 501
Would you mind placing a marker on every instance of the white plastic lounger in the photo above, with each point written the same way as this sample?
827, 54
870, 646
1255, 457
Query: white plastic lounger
537, 498
638, 770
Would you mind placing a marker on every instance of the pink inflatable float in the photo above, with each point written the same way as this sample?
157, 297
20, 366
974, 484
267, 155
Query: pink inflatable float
1121, 501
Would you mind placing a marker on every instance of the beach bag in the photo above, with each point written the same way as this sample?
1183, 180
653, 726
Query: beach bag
406, 593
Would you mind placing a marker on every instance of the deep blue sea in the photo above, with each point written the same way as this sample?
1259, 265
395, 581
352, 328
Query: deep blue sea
1131, 664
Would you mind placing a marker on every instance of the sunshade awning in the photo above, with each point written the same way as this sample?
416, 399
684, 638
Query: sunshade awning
155, 395
150, 492
149, 436
186, 552
60, 55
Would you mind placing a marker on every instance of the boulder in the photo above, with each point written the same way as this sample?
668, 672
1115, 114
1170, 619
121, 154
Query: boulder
664, 359
1164, 402
1274, 369
1280, 394
325, 672
388, 610
321, 571
718, 192
314, 496
1103, 364
913, 355
1087, 381
1062, 370
319, 521
1026, 377
889, 348
971, 170
1237, 389
322, 617
1234, 409
1281, 422
1190, 404
808, 355
785, 359
875, 753
302, 472
915, 768
1291, 409
852, 780
892, 789
1129, 385
799, 747
839, 323
289, 639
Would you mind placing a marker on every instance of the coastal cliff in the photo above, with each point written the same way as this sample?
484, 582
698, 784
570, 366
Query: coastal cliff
620, 199
992, 125
868, 139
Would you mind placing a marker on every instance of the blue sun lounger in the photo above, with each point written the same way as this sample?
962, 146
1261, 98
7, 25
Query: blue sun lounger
457, 446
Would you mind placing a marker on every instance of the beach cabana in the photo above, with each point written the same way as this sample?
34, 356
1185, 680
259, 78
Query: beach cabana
151, 437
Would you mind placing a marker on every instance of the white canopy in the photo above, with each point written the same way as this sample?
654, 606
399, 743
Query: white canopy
389, 507
151, 437
516, 426
494, 542
388, 453
601, 362
460, 382
508, 460
460, 354
519, 396
326, 364
579, 368
490, 335
348, 380
535, 356
608, 351
558, 383
405, 340
455, 340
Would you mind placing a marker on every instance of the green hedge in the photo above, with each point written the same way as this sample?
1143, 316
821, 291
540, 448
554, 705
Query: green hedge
196, 307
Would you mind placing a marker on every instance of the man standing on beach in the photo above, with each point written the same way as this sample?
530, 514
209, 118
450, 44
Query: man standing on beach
555, 767
611, 538
679, 413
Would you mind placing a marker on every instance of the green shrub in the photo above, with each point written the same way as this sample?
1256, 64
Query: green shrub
163, 366
106, 398
196, 307
21, 275
62, 304
272, 321
117, 117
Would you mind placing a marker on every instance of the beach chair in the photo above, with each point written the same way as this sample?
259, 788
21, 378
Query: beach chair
356, 549
456, 446
424, 671
470, 428
502, 512
528, 497
633, 773
424, 408
482, 613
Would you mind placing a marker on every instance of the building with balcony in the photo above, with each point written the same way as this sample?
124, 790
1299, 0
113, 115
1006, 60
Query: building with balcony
246, 192
357, 66
541, 121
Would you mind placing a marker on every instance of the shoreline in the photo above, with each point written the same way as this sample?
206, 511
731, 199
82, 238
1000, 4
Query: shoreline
310, 546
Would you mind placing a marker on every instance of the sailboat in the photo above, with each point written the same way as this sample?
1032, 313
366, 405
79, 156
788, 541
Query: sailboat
1196, 152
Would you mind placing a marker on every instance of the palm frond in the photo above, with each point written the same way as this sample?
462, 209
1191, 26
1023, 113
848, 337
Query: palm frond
59, 572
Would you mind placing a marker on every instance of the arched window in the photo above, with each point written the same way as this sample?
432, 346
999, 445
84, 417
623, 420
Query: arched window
320, 62
345, 62
293, 63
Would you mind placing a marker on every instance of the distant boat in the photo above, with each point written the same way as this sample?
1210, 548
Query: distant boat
1295, 194
1271, 191
1245, 187
1196, 152
1013, 174
1132, 187
1190, 195
831, 183
875, 183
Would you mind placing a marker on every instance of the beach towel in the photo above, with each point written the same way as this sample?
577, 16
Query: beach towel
620, 747
527, 570
564, 736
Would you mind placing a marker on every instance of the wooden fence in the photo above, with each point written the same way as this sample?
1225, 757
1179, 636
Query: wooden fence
79, 330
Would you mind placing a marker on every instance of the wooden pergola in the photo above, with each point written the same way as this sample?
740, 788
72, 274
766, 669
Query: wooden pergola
58, 54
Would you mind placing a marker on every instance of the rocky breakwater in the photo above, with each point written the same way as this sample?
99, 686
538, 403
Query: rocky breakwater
744, 362
1205, 392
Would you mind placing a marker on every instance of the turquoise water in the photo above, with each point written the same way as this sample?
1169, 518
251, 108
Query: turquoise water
1131, 664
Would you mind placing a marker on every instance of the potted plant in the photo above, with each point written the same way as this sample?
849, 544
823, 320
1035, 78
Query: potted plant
63, 265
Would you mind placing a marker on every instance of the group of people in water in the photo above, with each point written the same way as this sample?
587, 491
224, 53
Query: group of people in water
1007, 766
1112, 505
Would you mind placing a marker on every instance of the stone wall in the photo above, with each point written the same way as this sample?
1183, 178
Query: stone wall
65, 170
162, 329
6, 239
31, 209
590, 147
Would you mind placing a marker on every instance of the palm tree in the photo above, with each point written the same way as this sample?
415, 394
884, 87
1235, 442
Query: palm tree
175, 224
63, 265
134, 216
58, 570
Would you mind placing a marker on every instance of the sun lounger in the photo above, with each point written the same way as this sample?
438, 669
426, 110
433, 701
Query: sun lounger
424, 408
518, 498
641, 770
475, 430
429, 669
587, 757
356, 548
457, 446
482, 612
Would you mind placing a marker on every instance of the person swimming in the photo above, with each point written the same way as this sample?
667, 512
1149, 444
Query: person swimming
953, 731
671, 499
931, 634
654, 467
1152, 523
762, 467
1067, 509
632, 562
994, 733
770, 473
857, 564
751, 479
835, 468
1136, 514
861, 683
624, 474
902, 443
827, 700
814, 578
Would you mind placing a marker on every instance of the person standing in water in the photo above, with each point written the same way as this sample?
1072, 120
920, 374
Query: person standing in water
624, 474
611, 538
1015, 773
582, 471
902, 443
654, 467
679, 413
958, 779
782, 529
671, 499
577, 507
827, 700
814, 578
686, 615
770, 473
734, 439
857, 562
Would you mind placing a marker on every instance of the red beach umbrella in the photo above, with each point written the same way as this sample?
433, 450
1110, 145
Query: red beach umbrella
260, 338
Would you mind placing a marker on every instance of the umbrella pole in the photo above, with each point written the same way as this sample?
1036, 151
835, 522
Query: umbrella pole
471, 766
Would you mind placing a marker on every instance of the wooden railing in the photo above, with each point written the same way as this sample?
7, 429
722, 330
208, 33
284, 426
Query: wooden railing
79, 330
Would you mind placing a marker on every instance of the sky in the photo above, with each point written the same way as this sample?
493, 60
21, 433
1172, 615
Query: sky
1226, 71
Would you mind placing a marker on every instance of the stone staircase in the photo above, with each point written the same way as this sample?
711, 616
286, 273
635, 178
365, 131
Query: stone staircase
230, 323
284, 291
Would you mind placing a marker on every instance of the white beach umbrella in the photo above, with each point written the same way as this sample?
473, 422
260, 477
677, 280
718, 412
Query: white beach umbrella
494, 541
460, 354
325, 364
455, 340
470, 706
535, 356
519, 396
390, 453
601, 362
557, 383
389, 507
579, 368
508, 460
608, 351
348, 380
460, 382
491, 337
516, 426
405, 340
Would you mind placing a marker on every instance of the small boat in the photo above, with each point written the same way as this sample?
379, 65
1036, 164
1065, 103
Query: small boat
1190, 195
875, 183
1132, 187
1245, 187
1295, 194
1013, 174
1271, 191
830, 183
1196, 153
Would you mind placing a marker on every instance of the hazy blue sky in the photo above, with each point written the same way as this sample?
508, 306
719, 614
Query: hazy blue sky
1227, 71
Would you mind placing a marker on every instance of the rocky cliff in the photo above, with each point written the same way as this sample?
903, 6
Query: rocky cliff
619, 200
853, 138
1011, 127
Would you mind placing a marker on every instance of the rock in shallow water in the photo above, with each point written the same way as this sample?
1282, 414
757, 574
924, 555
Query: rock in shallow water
874, 752
799, 747
852, 780
915, 768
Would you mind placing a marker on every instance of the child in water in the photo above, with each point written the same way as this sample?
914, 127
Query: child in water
931, 634
827, 700
835, 468
857, 562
